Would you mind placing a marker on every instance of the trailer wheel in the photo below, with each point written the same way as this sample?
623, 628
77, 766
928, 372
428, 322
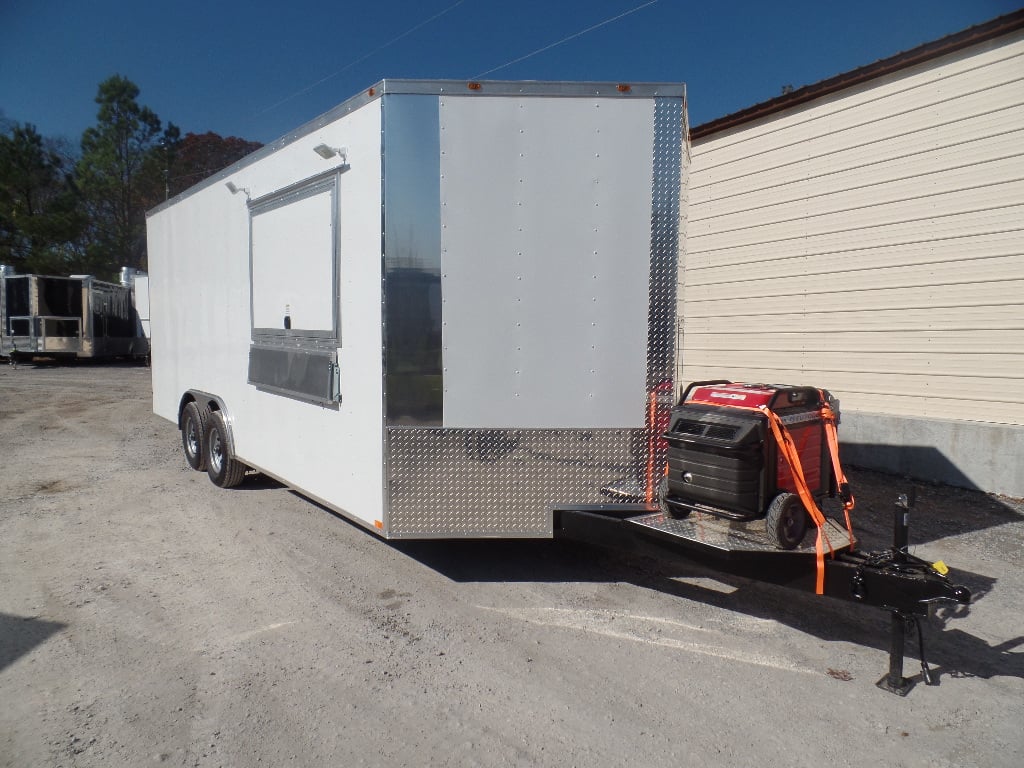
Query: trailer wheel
193, 434
667, 509
224, 470
786, 521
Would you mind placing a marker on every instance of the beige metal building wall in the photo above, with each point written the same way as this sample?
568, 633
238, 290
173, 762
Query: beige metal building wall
870, 241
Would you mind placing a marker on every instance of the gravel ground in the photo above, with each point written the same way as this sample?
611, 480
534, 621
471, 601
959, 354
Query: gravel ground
148, 617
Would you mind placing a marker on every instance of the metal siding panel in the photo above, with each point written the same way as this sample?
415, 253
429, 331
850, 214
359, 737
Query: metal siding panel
869, 278
842, 298
889, 125
912, 192
903, 363
985, 317
877, 171
983, 252
816, 221
801, 337
870, 243
1005, 217
964, 71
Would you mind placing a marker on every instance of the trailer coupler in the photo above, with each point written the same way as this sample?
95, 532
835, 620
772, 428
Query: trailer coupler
894, 580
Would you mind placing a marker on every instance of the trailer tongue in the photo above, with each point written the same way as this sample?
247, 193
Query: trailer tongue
747, 466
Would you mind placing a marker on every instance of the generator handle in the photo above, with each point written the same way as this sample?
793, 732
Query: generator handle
694, 384
789, 393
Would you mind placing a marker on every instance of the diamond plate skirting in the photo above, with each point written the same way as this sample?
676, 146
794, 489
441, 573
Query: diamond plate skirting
459, 483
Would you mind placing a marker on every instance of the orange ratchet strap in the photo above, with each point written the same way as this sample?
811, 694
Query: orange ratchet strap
842, 484
792, 457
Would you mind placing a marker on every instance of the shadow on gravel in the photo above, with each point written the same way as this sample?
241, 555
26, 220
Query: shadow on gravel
74, 362
941, 512
259, 482
749, 589
20, 634
950, 652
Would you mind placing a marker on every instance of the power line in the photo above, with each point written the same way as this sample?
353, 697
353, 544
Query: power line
362, 58
567, 39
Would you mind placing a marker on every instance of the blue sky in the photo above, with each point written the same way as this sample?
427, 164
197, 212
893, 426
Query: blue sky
257, 70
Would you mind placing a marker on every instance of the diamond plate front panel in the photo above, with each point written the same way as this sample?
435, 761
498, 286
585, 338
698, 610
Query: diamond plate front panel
462, 483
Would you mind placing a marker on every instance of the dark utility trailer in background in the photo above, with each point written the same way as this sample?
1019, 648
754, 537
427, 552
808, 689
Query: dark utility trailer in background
71, 317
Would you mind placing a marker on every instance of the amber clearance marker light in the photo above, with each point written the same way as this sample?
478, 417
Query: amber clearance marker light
378, 525
371, 92
624, 88
474, 86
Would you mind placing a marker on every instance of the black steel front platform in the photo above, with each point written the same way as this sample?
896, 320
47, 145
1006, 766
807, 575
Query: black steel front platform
892, 580
703, 535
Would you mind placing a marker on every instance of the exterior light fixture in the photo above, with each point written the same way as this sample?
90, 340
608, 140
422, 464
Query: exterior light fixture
234, 189
327, 152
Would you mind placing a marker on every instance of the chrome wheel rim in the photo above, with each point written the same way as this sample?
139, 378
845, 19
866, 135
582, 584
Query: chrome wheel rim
216, 451
191, 438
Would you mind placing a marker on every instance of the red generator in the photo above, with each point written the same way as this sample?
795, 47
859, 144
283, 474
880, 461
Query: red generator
723, 458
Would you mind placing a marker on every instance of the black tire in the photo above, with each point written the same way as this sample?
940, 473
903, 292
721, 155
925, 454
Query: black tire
224, 470
786, 521
667, 509
193, 434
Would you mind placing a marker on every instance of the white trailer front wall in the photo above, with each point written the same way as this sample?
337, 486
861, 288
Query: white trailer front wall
545, 261
557, 268
872, 242
202, 322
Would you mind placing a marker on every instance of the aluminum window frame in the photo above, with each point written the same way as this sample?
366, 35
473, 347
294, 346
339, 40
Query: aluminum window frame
299, 347
294, 193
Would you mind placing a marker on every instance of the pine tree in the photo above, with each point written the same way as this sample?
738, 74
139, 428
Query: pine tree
120, 164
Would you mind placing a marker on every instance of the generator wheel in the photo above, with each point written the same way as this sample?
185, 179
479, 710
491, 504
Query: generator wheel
786, 521
193, 434
224, 470
667, 509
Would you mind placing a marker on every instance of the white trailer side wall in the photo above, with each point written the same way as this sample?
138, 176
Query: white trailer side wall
199, 252
872, 242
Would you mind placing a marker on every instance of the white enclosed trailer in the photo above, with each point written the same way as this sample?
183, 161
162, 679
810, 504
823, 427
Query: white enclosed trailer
441, 309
